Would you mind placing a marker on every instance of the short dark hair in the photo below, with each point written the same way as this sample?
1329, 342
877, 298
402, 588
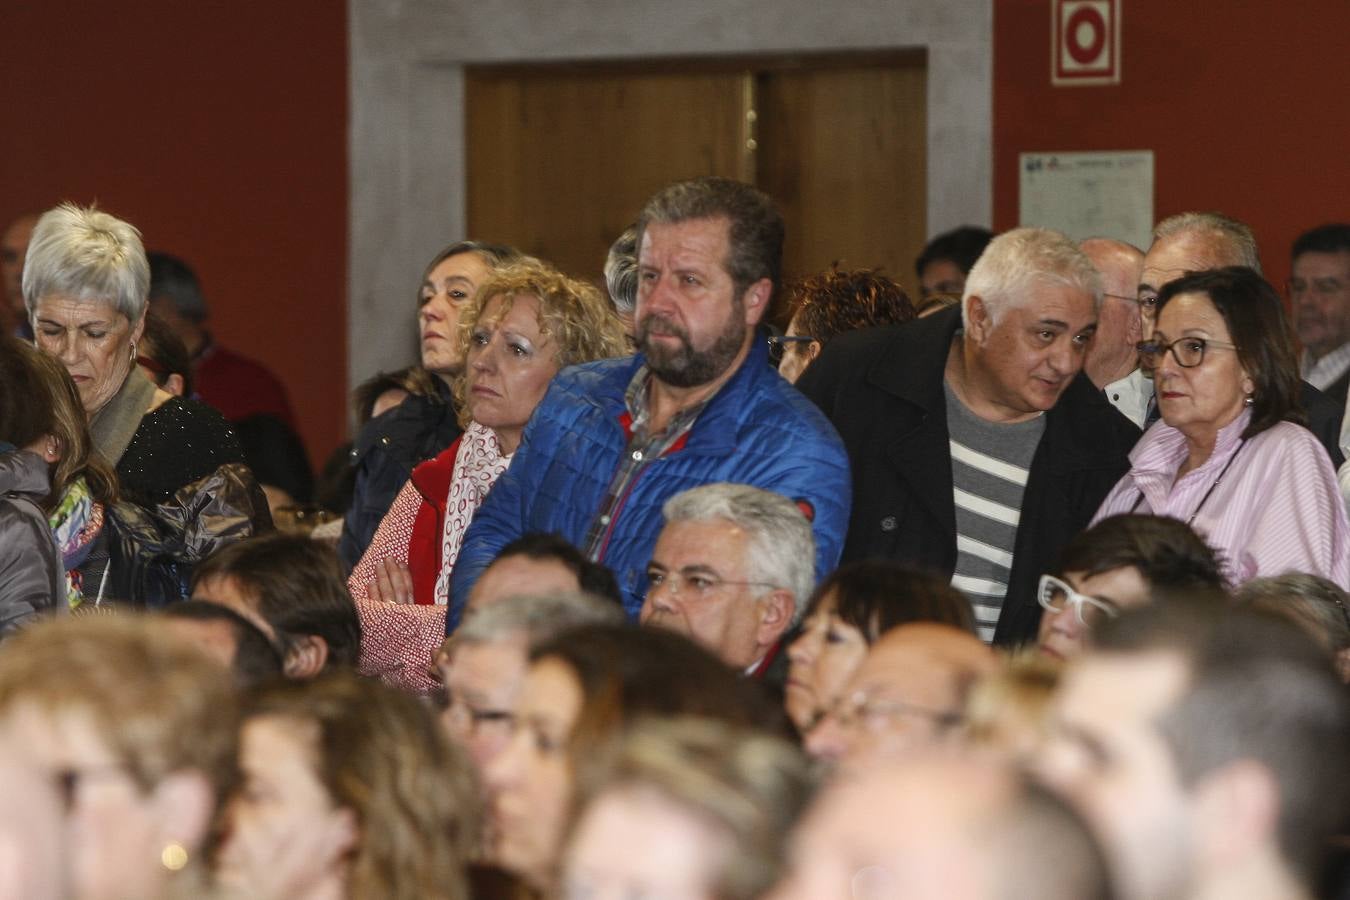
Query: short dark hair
1265, 343
755, 227
1259, 687
833, 302
592, 577
1166, 551
173, 278
299, 588
960, 246
256, 659
412, 380
1331, 238
162, 346
876, 595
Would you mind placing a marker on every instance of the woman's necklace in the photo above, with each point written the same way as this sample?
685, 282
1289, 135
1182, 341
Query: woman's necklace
1201, 505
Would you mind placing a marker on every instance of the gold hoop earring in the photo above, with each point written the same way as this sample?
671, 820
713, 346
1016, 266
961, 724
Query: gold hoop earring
174, 856
133, 353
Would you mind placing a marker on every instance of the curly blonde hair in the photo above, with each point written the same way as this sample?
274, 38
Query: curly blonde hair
573, 314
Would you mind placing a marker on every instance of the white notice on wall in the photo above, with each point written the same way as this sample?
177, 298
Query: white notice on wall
1086, 195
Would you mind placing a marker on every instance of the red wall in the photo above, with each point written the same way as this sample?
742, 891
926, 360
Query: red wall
1245, 106
218, 129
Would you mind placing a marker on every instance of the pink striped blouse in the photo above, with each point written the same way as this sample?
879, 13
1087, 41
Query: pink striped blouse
1276, 509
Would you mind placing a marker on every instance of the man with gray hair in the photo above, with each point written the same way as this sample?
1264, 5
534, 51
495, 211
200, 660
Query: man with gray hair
484, 671
732, 569
978, 448
1198, 242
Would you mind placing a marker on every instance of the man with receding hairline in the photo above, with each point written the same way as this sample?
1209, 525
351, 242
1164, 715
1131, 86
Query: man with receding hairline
1113, 358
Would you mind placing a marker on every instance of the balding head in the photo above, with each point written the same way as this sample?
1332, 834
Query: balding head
1112, 355
951, 828
1192, 242
908, 693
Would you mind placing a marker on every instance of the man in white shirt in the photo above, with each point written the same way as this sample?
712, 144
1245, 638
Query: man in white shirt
1319, 293
1113, 361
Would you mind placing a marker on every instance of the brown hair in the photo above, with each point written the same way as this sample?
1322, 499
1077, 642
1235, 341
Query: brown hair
581, 323
379, 754
38, 397
158, 702
876, 595
834, 302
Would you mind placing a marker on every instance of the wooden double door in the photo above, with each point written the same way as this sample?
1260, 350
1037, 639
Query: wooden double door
562, 156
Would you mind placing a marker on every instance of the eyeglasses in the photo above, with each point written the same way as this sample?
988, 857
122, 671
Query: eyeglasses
778, 345
1321, 287
699, 584
1057, 596
1189, 352
875, 712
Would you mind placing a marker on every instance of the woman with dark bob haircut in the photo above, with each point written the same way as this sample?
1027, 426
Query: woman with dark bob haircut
850, 609
1231, 457
583, 688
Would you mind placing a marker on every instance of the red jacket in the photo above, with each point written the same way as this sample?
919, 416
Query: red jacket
432, 480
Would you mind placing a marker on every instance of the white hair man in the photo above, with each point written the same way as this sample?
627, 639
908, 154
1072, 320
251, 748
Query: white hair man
1113, 358
1197, 242
732, 569
978, 448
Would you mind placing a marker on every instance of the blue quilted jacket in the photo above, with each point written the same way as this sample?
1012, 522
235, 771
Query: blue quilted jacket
758, 430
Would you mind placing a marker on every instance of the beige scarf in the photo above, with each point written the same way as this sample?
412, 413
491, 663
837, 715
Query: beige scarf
113, 426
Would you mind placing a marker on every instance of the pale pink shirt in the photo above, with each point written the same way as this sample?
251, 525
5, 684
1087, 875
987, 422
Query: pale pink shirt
1276, 509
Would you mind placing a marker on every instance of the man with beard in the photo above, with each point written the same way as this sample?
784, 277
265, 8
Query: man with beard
699, 403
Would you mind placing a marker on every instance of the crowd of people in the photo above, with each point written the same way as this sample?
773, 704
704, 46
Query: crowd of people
706, 583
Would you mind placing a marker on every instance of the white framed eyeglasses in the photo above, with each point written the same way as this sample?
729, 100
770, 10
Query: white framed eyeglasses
1055, 595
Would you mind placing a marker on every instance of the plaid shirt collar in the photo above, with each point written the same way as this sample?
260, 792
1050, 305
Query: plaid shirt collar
638, 402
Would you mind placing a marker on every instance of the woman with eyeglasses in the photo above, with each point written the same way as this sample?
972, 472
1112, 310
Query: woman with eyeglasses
1231, 457
1118, 563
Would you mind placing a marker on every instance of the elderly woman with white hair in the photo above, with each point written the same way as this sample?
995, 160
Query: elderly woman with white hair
85, 284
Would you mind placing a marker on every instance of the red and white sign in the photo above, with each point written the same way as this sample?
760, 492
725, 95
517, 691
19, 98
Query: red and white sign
1085, 42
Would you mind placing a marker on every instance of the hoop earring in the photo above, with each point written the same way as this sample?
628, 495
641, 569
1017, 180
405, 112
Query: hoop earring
133, 353
1249, 401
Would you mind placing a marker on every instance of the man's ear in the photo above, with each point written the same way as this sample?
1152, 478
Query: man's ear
306, 657
756, 301
174, 384
776, 610
978, 322
812, 350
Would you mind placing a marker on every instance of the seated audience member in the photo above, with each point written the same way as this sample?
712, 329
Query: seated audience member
484, 669
935, 303
1113, 358
164, 358
943, 828
731, 569
909, 693
1319, 606
13, 251
349, 790
391, 445
947, 259
33, 859
582, 688
227, 637
1319, 296
686, 808
853, 607
832, 303
1206, 743
56, 489
373, 397
978, 448
1193, 242
538, 564
526, 322
137, 729
621, 277
613, 440
291, 588
1116, 564
1231, 457
1008, 710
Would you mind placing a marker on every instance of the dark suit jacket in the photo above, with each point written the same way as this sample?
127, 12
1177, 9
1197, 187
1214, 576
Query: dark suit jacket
882, 389
1325, 410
